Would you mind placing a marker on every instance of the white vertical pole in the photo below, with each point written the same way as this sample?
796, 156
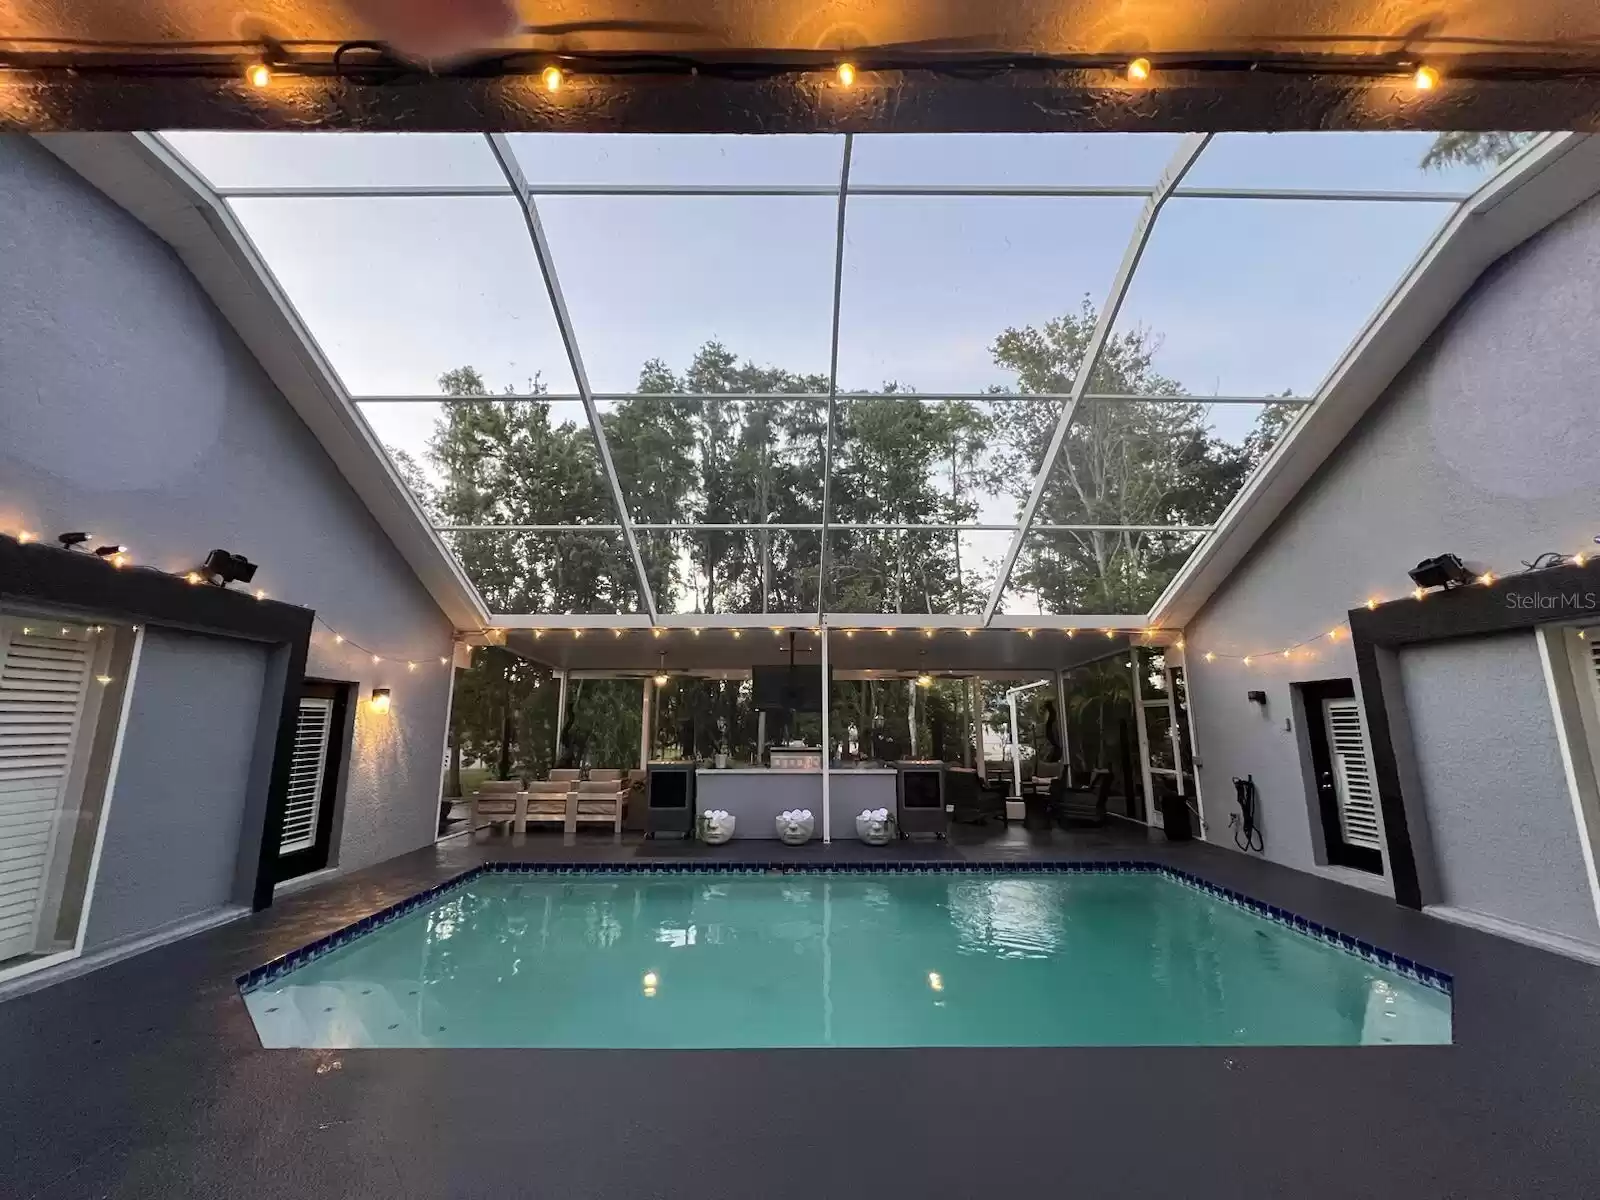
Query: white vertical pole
827, 749
1016, 750
761, 735
977, 727
911, 715
645, 718
561, 712
1151, 815
1061, 725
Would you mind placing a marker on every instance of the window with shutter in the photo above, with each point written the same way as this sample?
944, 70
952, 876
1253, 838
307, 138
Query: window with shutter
1352, 774
304, 806
46, 672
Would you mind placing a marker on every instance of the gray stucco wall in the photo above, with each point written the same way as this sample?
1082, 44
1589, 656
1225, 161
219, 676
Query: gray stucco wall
172, 836
1505, 839
129, 407
1483, 447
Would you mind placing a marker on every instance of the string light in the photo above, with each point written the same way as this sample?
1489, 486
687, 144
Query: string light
1110, 633
27, 535
1288, 653
444, 660
1426, 78
411, 666
577, 633
617, 633
1579, 559
1139, 70
924, 681
120, 559
260, 594
1486, 578
537, 634
259, 75
695, 631
1333, 634
1247, 660
377, 658
928, 633
738, 633
338, 639
888, 633
846, 74
1071, 633
1210, 657
1372, 603
1418, 593
658, 632
1027, 633
193, 577
553, 77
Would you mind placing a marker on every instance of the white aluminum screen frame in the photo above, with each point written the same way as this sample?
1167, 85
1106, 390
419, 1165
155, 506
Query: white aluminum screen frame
1167, 186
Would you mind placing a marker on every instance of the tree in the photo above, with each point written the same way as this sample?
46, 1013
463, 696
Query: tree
1463, 149
1122, 463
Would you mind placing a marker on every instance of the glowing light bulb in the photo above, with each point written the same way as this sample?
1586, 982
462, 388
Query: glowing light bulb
1486, 578
444, 660
1372, 603
102, 679
1139, 70
738, 633
26, 536
927, 633
661, 680
1426, 79
1579, 559
1288, 653
1246, 660
695, 631
651, 980
537, 634
1178, 644
1210, 657
924, 681
616, 633
259, 75
380, 700
193, 577
377, 658
846, 74
849, 633
338, 639
411, 666
1072, 633
888, 633
577, 633
1418, 593
1333, 634
1111, 633
1027, 633
119, 560
260, 594
655, 633
553, 77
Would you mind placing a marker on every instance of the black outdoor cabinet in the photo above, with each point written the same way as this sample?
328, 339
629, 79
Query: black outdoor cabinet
919, 798
669, 798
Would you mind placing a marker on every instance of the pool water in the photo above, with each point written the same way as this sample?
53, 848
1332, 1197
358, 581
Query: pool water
959, 959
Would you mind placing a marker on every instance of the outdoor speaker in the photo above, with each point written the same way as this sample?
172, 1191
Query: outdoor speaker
669, 798
919, 798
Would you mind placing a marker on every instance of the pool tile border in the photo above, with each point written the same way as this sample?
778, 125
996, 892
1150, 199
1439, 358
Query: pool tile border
1407, 968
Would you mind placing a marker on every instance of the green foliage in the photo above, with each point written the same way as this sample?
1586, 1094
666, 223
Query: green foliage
759, 456
1460, 149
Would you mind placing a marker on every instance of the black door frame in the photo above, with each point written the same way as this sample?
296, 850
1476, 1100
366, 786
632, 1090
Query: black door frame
1556, 595
75, 581
1338, 852
315, 857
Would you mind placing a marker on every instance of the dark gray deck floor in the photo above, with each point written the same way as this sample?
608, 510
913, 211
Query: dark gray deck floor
145, 1079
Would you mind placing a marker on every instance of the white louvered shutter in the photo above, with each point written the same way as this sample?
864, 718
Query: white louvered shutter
312, 732
44, 681
1352, 774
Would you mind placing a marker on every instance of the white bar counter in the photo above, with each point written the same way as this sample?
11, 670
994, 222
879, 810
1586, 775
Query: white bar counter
756, 795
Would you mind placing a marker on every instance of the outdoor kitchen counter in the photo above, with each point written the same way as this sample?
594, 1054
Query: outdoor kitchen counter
756, 795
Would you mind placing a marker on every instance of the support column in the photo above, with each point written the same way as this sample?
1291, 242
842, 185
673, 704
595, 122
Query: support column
646, 722
827, 749
761, 735
561, 713
977, 728
911, 715
1061, 725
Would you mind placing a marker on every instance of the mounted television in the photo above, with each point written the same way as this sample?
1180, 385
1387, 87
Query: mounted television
786, 689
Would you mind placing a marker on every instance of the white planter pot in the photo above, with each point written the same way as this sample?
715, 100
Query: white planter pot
714, 831
874, 832
721, 761
795, 832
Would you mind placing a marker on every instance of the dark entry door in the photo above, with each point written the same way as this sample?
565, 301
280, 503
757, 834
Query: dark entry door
306, 835
1341, 765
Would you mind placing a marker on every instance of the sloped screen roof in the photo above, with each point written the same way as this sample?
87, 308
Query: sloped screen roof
663, 375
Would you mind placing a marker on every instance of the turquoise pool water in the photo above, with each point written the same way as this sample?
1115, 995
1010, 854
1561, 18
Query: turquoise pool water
710, 960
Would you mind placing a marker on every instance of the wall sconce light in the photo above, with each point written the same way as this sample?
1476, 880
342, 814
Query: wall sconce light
380, 701
1257, 698
1442, 571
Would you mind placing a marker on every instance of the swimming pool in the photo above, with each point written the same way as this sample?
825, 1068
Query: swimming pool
1132, 955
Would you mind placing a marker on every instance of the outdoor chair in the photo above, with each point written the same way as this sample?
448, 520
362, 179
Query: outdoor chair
499, 800
600, 801
552, 800
1072, 806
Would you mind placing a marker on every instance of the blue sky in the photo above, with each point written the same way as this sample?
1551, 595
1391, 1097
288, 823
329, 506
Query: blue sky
1246, 296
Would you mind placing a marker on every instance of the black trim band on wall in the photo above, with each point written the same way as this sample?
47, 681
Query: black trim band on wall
76, 581
1518, 602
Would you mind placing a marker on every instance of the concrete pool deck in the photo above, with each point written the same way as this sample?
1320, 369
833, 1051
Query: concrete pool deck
146, 1078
